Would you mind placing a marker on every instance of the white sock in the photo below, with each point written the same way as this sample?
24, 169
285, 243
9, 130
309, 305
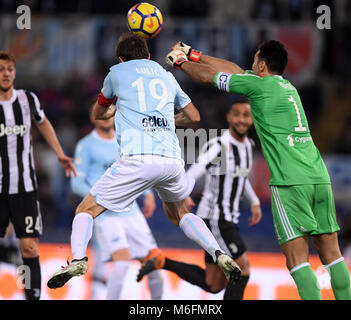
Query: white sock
195, 229
82, 229
155, 283
116, 279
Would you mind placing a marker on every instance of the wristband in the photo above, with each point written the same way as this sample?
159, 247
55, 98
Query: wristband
195, 55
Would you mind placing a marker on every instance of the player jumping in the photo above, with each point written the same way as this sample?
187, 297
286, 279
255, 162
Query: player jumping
150, 155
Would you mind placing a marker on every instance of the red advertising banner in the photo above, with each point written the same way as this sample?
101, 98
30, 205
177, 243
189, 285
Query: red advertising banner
269, 280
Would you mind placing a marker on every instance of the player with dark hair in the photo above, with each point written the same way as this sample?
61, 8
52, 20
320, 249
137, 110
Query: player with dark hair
302, 198
226, 161
119, 236
18, 197
150, 155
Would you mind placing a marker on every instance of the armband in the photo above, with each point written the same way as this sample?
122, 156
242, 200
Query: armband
104, 102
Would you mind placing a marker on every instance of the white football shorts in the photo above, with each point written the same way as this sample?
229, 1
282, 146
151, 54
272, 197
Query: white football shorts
129, 177
115, 231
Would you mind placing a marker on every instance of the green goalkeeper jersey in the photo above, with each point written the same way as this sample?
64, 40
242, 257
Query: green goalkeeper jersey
281, 125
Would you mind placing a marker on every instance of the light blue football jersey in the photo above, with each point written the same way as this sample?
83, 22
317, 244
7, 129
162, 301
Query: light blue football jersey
146, 97
93, 156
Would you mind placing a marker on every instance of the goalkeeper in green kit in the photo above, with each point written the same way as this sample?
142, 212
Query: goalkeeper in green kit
301, 193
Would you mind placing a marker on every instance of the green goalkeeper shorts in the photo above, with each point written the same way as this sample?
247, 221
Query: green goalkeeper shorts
303, 209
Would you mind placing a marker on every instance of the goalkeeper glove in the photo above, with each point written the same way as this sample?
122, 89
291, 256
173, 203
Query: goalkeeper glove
192, 54
176, 58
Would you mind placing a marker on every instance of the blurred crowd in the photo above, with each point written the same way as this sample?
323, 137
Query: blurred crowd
326, 98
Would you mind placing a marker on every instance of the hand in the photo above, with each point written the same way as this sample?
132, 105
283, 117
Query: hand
256, 215
176, 58
189, 203
149, 205
192, 54
67, 164
178, 118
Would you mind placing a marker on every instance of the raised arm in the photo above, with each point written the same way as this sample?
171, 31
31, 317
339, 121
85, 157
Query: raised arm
199, 72
218, 64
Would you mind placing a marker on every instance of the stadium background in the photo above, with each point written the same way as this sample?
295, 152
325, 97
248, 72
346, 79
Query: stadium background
65, 55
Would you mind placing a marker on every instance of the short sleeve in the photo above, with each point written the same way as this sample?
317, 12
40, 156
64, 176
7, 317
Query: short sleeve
36, 110
181, 98
246, 84
107, 89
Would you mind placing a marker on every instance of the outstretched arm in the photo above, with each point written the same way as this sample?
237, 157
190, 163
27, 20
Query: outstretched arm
220, 65
199, 72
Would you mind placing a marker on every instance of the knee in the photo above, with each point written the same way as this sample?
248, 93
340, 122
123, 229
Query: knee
81, 208
215, 287
215, 283
29, 247
173, 215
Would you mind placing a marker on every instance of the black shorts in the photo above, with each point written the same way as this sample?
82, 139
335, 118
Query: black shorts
227, 235
23, 211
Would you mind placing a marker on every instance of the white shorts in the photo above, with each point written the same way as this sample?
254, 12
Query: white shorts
129, 177
114, 231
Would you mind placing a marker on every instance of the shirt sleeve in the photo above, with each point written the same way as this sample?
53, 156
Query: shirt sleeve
79, 183
107, 89
37, 111
209, 153
181, 98
250, 193
246, 84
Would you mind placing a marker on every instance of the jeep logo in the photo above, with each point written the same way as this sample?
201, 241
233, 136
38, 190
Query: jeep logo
16, 129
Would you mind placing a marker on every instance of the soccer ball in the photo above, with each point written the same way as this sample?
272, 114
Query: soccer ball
145, 20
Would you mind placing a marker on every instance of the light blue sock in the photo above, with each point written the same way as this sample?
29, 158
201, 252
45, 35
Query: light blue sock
195, 229
155, 283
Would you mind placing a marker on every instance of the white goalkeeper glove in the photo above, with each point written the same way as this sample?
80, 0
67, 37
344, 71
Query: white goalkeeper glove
176, 58
192, 54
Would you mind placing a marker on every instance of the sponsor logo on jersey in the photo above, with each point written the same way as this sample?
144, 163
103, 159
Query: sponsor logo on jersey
155, 123
16, 129
293, 140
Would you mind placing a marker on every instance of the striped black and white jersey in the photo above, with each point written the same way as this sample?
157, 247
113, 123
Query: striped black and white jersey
17, 171
227, 164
